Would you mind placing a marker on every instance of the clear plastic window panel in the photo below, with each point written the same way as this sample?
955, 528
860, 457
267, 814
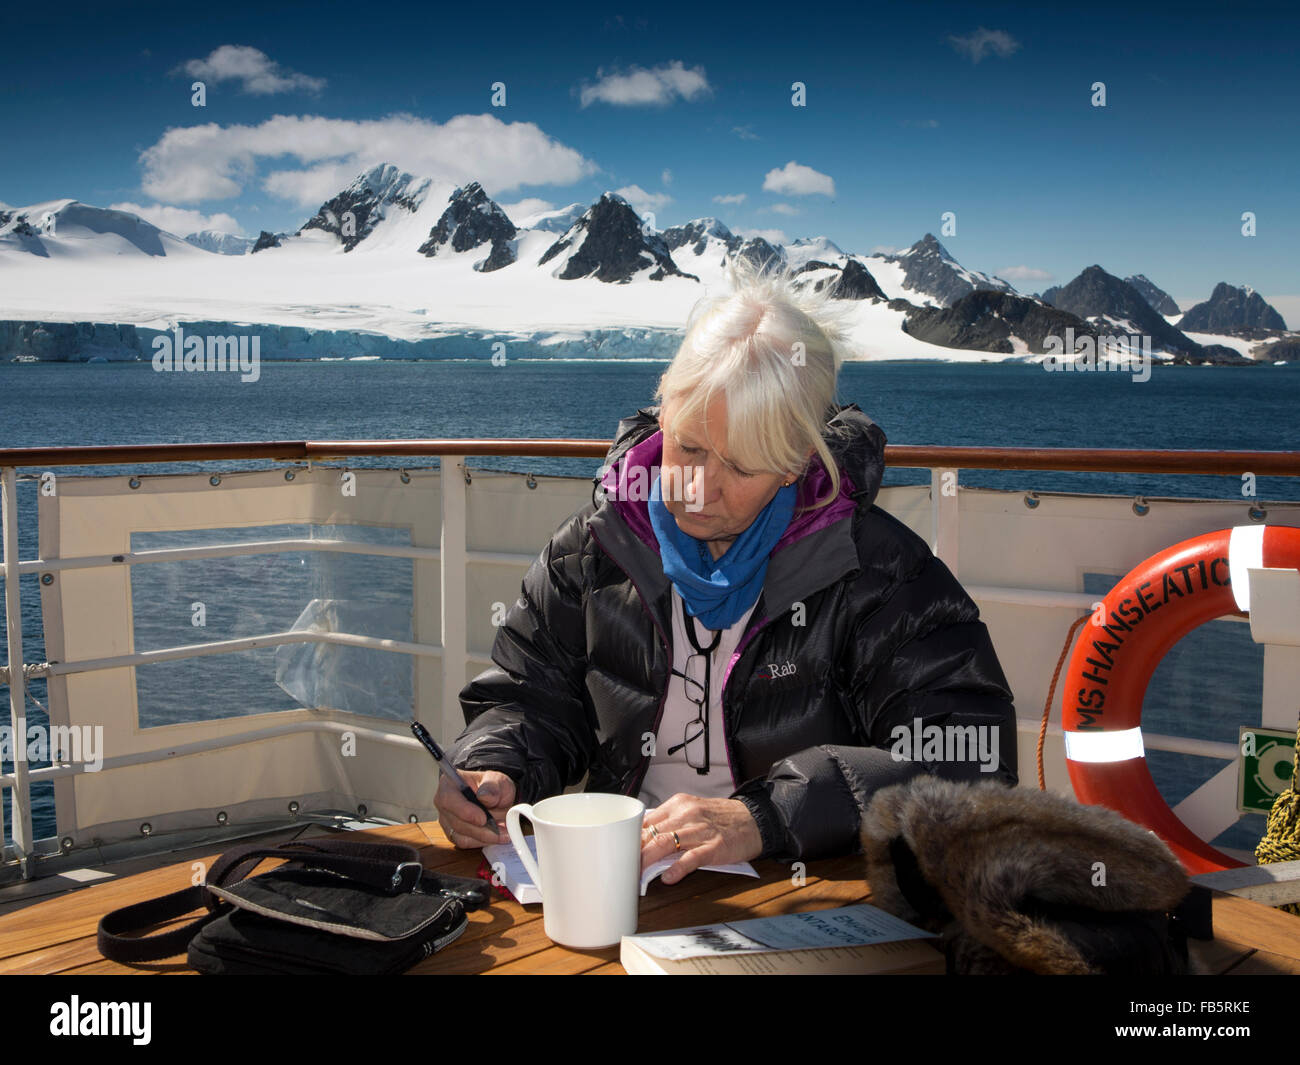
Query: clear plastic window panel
214, 599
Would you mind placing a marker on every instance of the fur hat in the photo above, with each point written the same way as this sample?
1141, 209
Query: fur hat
1019, 880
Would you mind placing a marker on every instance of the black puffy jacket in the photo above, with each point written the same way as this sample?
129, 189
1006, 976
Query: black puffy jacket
877, 629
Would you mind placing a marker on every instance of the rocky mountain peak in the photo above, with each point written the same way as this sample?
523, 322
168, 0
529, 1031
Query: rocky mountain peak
1114, 306
354, 213
931, 271
1153, 294
1231, 309
611, 243
695, 234
220, 243
761, 253
927, 245
471, 220
265, 240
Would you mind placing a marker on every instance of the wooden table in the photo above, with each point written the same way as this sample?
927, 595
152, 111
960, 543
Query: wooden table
58, 935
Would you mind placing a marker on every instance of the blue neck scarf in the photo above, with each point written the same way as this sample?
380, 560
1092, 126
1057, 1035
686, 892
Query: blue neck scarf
719, 592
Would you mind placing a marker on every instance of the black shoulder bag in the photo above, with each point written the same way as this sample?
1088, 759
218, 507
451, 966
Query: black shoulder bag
335, 907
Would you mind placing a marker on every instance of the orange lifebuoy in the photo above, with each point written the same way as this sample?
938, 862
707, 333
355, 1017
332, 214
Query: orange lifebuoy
1142, 617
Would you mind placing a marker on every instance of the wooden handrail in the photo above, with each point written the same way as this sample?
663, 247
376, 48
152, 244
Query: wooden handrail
1099, 460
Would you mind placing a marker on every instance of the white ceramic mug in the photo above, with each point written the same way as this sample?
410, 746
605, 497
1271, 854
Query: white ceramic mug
589, 853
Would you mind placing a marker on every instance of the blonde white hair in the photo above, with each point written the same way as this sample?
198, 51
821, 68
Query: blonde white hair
773, 349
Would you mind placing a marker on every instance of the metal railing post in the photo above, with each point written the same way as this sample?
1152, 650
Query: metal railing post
945, 522
21, 808
455, 652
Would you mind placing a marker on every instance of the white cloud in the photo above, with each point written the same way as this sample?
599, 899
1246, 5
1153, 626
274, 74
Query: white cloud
526, 207
643, 201
772, 236
921, 123
256, 71
885, 249
745, 133
781, 208
180, 220
984, 42
1024, 273
731, 197
312, 186
639, 87
795, 179
193, 163
666, 178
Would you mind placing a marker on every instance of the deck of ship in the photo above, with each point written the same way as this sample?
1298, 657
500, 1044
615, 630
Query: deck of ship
58, 935
201, 782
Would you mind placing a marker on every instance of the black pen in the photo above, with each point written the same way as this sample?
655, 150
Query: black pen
422, 734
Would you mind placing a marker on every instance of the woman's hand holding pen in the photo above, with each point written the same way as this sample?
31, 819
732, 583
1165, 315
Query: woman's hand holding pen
463, 822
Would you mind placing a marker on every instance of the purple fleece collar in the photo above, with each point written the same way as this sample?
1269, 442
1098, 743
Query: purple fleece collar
814, 484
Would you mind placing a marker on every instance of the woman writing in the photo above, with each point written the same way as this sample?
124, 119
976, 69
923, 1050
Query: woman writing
732, 631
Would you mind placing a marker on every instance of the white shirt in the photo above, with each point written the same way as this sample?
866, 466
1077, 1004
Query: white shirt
670, 774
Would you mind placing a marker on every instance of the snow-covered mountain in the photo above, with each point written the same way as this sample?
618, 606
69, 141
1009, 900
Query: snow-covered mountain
69, 229
610, 243
851, 281
930, 273
266, 241
221, 243
553, 221
471, 221
1159, 299
407, 266
380, 193
988, 320
702, 237
807, 249
762, 253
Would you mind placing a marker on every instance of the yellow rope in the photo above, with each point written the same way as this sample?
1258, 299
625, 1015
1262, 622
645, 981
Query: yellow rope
1281, 842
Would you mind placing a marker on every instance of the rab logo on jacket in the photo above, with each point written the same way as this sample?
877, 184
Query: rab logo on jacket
773, 671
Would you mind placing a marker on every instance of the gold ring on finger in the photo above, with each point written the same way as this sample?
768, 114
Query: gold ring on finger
677, 842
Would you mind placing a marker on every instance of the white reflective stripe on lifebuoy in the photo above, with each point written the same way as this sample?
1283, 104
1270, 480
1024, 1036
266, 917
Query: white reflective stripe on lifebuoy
1117, 746
1245, 552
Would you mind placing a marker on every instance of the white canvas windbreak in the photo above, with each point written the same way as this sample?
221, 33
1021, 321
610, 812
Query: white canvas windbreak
1030, 569
317, 757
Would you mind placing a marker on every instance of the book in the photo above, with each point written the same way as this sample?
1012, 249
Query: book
509, 871
848, 939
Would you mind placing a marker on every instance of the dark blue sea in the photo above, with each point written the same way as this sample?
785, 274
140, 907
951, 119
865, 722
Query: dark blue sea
993, 404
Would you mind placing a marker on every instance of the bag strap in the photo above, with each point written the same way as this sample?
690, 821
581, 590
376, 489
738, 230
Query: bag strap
389, 867
116, 946
393, 868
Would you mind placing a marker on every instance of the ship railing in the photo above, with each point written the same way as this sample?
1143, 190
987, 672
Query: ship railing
939, 512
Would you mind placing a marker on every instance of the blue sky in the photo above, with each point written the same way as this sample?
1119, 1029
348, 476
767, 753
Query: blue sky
982, 110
